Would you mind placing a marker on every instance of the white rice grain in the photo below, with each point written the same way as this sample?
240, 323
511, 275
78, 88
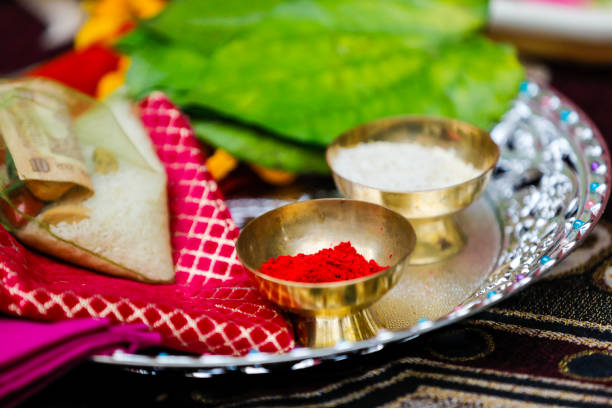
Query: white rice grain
402, 167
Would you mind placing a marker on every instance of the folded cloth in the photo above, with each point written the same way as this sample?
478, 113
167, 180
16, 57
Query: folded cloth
211, 308
34, 353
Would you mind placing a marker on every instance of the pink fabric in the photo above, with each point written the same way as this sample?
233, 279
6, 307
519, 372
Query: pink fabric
212, 307
34, 353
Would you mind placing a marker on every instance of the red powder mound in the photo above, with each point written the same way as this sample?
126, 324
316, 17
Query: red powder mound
339, 263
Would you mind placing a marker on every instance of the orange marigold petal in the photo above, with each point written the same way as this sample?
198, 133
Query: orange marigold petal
220, 164
273, 176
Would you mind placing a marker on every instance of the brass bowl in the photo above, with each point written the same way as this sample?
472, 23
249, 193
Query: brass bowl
430, 211
325, 313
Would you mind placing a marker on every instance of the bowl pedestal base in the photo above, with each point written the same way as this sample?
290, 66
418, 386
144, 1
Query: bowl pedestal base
327, 331
438, 239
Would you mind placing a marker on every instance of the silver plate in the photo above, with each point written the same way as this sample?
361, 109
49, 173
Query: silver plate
547, 193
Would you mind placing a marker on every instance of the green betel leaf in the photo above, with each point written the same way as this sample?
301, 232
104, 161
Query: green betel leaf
313, 87
307, 70
431, 20
207, 25
483, 83
159, 65
257, 147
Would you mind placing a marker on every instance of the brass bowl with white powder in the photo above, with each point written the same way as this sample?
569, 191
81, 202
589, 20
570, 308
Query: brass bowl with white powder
425, 168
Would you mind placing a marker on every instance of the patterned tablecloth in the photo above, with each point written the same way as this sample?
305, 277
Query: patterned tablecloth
549, 345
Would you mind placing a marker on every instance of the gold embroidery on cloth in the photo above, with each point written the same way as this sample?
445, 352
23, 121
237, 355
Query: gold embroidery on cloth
477, 371
537, 389
603, 276
436, 397
545, 334
565, 362
489, 348
514, 388
554, 319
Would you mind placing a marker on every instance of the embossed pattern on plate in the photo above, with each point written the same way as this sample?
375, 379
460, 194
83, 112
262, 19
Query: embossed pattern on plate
549, 189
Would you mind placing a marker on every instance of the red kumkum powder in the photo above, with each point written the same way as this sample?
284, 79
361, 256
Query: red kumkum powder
339, 263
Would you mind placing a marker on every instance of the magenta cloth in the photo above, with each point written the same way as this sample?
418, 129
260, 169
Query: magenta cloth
33, 353
211, 308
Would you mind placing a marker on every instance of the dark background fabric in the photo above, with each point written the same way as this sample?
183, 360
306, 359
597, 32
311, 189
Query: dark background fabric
551, 344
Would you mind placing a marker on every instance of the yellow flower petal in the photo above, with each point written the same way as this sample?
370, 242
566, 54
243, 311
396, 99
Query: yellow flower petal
273, 176
124, 63
109, 83
112, 8
220, 164
107, 17
97, 30
146, 8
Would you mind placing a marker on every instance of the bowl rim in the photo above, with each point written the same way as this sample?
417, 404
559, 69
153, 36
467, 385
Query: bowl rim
411, 118
334, 284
